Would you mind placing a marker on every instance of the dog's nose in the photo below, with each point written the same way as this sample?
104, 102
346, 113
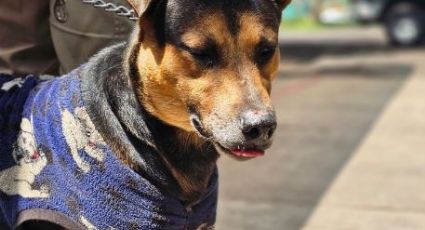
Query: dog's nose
258, 125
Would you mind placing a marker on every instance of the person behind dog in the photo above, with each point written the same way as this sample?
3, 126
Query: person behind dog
39, 36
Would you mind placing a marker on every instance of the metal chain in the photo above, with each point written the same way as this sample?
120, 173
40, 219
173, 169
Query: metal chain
111, 7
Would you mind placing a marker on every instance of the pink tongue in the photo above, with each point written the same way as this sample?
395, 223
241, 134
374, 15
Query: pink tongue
248, 153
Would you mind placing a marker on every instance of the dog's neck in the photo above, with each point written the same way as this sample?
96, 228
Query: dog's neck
177, 161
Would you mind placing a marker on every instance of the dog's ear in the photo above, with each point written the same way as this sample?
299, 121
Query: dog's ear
282, 4
140, 6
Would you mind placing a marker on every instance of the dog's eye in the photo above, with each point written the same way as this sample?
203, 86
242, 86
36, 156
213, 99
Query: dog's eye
206, 57
264, 54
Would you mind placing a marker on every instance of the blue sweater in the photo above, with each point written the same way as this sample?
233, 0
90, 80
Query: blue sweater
55, 166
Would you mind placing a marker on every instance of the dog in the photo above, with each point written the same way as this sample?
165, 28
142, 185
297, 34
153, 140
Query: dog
130, 140
18, 180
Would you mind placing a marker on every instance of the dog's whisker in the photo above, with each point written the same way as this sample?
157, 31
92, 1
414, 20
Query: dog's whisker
170, 101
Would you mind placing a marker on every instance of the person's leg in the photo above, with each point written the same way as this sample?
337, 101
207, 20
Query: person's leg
25, 43
81, 30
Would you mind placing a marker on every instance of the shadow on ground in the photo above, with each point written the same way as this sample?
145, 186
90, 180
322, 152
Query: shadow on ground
310, 51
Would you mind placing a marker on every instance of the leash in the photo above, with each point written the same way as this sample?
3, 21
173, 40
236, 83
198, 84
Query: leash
114, 8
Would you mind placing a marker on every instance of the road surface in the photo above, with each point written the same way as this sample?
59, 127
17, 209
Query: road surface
331, 90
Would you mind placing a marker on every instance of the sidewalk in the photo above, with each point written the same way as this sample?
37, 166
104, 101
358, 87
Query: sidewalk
372, 35
383, 185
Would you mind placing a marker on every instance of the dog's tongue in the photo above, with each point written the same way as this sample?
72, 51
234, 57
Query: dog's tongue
248, 153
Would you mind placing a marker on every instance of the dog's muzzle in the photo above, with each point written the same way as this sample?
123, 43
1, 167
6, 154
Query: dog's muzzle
247, 136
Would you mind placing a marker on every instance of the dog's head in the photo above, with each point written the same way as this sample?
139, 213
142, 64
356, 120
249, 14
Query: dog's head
206, 66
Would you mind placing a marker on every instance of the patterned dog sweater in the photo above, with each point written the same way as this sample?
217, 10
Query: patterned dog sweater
55, 166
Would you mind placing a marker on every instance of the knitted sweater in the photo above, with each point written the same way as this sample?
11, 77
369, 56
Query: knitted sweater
55, 166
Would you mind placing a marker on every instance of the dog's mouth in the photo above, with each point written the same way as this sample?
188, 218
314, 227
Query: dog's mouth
240, 152
197, 124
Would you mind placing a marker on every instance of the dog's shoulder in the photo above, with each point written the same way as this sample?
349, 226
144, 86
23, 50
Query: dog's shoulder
106, 62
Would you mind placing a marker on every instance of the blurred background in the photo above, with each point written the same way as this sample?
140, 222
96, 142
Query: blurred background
349, 152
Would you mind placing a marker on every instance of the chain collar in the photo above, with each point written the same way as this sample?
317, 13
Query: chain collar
114, 8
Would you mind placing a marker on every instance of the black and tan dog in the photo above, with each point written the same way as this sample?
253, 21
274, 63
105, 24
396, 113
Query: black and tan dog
203, 71
193, 82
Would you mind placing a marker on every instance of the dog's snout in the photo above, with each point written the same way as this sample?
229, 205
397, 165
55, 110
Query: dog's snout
258, 125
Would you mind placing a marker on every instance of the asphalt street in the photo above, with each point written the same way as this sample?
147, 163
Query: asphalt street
331, 90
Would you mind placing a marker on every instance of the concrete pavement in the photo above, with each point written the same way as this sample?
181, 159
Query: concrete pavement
328, 107
382, 186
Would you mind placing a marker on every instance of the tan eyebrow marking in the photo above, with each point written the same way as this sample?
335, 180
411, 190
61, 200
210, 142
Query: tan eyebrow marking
193, 39
252, 30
